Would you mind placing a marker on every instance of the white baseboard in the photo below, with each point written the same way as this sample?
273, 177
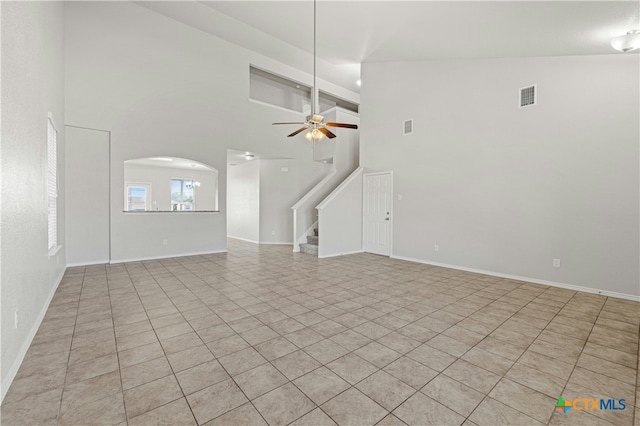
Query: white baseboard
142, 259
528, 279
340, 254
243, 239
277, 243
6, 383
97, 262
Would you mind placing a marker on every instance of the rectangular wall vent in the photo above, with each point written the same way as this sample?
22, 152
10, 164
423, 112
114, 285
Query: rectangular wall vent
528, 96
408, 127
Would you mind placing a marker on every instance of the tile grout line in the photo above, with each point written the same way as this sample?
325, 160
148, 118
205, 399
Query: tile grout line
124, 404
378, 369
369, 320
159, 341
286, 289
75, 323
582, 350
520, 356
215, 358
376, 340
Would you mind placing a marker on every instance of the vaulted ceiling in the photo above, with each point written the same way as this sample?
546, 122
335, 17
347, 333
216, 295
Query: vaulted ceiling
352, 32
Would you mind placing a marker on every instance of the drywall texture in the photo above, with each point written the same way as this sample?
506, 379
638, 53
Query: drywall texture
282, 184
342, 155
260, 194
205, 195
243, 201
505, 189
165, 89
87, 196
32, 87
340, 218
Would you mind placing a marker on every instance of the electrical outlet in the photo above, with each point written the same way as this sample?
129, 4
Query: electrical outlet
556, 263
436, 247
165, 242
399, 197
15, 319
273, 232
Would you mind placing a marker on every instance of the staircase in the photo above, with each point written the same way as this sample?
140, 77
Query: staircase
311, 246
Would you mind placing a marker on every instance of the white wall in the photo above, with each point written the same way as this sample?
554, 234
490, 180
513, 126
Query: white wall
87, 196
165, 89
243, 201
205, 196
504, 189
340, 218
260, 194
282, 184
347, 154
343, 151
32, 86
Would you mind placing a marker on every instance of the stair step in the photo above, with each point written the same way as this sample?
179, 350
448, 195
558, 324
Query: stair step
309, 249
312, 239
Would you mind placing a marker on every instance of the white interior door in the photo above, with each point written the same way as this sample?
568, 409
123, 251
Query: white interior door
87, 196
377, 213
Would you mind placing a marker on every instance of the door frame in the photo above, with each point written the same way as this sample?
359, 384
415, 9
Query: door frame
364, 189
110, 192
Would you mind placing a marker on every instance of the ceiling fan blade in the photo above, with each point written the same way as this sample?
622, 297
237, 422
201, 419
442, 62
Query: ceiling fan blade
292, 122
302, 129
345, 125
327, 132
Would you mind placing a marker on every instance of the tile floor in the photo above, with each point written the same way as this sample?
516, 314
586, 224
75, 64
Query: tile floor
265, 336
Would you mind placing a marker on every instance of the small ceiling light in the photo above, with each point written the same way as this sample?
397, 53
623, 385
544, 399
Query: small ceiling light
628, 42
249, 157
359, 83
161, 159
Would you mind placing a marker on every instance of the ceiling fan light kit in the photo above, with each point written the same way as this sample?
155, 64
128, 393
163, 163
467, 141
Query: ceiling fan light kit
317, 128
627, 42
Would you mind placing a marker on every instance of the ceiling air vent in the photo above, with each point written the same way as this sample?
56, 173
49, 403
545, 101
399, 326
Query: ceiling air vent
528, 96
407, 127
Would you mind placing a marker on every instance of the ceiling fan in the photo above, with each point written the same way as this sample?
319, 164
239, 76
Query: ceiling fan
315, 122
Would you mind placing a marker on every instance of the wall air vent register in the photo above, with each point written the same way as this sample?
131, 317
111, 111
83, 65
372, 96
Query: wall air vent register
528, 96
407, 127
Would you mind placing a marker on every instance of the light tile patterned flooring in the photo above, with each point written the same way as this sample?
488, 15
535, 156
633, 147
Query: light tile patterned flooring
265, 336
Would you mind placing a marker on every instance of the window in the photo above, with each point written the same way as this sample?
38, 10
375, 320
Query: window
182, 194
52, 185
137, 197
